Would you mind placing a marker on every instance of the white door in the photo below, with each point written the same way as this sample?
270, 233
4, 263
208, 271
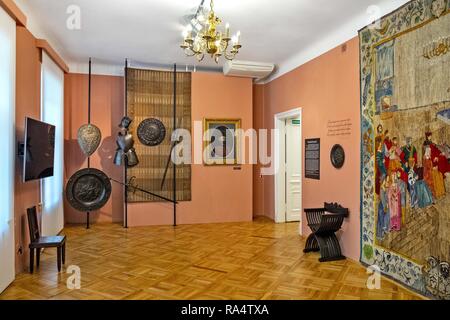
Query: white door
7, 121
293, 170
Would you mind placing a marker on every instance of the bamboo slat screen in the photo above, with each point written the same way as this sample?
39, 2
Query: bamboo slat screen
150, 95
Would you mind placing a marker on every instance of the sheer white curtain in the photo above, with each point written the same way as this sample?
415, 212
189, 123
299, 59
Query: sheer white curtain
7, 125
52, 111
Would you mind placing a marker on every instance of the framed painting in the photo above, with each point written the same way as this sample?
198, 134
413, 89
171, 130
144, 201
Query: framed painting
221, 146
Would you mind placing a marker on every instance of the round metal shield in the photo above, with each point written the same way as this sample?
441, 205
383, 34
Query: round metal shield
151, 132
337, 156
88, 190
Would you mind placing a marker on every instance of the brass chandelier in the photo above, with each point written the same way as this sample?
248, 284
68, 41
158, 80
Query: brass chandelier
208, 40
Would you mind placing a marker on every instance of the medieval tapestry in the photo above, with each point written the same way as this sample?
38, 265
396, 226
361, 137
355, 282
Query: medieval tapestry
150, 96
405, 122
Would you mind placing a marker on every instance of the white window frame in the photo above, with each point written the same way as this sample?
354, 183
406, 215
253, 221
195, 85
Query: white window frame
52, 112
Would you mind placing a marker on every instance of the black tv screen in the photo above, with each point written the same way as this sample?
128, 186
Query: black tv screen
39, 150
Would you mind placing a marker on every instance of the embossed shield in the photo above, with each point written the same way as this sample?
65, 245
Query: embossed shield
89, 138
151, 132
88, 190
337, 156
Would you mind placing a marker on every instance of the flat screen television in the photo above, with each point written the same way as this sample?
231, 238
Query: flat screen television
39, 150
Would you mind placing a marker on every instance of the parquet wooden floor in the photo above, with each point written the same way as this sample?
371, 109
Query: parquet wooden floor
259, 260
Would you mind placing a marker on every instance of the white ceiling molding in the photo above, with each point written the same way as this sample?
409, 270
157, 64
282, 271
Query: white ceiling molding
118, 70
180, 67
333, 40
34, 26
97, 69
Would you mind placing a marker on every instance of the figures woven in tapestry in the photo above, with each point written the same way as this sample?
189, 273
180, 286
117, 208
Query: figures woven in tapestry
405, 118
150, 105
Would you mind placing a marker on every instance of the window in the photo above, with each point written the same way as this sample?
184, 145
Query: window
52, 111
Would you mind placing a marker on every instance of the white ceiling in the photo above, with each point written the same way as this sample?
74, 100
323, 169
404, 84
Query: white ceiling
285, 32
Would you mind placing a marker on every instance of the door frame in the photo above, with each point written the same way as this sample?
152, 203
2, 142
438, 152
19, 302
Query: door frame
279, 118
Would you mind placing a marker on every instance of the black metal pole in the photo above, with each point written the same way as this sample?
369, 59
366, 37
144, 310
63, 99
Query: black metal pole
125, 209
173, 160
89, 122
130, 186
89, 91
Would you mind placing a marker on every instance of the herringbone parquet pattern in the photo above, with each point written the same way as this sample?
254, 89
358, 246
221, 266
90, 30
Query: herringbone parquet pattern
259, 260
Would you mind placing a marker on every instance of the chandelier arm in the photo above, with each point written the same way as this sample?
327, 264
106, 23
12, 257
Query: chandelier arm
200, 57
229, 56
189, 53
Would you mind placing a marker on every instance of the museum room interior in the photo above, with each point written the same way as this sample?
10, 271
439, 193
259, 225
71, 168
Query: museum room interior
174, 150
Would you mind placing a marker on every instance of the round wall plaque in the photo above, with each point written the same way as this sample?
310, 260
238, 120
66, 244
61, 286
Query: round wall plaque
151, 132
337, 156
88, 190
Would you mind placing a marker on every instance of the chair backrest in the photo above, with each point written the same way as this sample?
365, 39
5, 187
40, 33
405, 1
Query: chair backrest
33, 226
330, 223
336, 208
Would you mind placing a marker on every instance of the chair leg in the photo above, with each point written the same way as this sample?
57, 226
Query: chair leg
64, 253
311, 244
38, 257
330, 249
31, 260
58, 257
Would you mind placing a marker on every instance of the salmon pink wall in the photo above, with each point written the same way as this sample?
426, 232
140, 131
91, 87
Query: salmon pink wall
219, 194
106, 112
327, 88
28, 92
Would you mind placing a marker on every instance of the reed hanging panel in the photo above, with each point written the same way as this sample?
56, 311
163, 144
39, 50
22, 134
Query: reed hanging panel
150, 94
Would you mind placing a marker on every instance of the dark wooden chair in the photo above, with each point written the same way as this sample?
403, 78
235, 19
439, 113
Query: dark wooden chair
324, 223
37, 242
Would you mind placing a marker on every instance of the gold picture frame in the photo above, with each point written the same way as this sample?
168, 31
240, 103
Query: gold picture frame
226, 152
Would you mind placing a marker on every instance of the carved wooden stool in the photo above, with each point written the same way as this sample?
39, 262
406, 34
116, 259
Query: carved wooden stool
324, 223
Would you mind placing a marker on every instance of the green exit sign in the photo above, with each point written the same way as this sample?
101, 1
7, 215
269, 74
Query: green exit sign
296, 122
